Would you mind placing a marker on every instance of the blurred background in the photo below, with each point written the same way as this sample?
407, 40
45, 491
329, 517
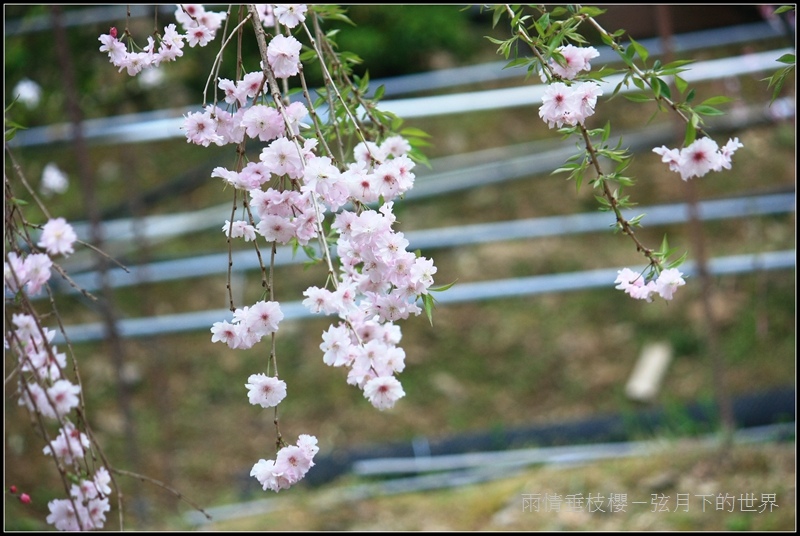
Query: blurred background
532, 347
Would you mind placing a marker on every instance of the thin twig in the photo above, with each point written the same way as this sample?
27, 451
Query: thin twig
160, 484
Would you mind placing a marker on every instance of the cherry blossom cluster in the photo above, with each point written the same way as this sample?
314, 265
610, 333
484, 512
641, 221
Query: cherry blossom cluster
249, 326
380, 280
569, 105
199, 27
576, 59
44, 390
259, 121
635, 285
289, 466
87, 506
32, 271
702, 156
291, 187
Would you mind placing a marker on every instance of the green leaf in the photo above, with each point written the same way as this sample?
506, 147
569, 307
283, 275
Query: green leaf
777, 80
591, 11
517, 62
607, 39
638, 97
310, 253
784, 9
680, 83
665, 90
602, 200
495, 41
708, 110
678, 262
676, 64
566, 168
544, 20
664, 244
443, 287
690, 135
636, 220
655, 86
716, 100
629, 53
427, 304
640, 50
787, 58
415, 132
498, 12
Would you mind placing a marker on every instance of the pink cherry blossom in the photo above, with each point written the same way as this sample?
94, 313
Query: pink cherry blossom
283, 158
672, 157
265, 391
702, 156
239, 229
64, 395
668, 281
263, 122
699, 158
102, 479
200, 129
199, 35
290, 466
557, 105
225, 332
383, 392
70, 444
63, 517
576, 59
250, 84
290, 15
283, 54
58, 237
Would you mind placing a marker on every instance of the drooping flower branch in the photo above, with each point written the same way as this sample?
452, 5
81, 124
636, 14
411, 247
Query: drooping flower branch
563, 61
298, 192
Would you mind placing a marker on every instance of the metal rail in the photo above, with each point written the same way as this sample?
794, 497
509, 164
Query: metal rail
445, 237
465, 292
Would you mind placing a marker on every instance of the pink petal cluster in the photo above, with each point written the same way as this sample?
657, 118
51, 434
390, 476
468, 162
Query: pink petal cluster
283, 55
30, 272
265, 391
58, 237
290, 15
199, 26
702, 156
569, 105
69, 445
239, 229
87, 508
380, 284
383, 170
33, 346
249, 326
290, 465
635, 285
576, 59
